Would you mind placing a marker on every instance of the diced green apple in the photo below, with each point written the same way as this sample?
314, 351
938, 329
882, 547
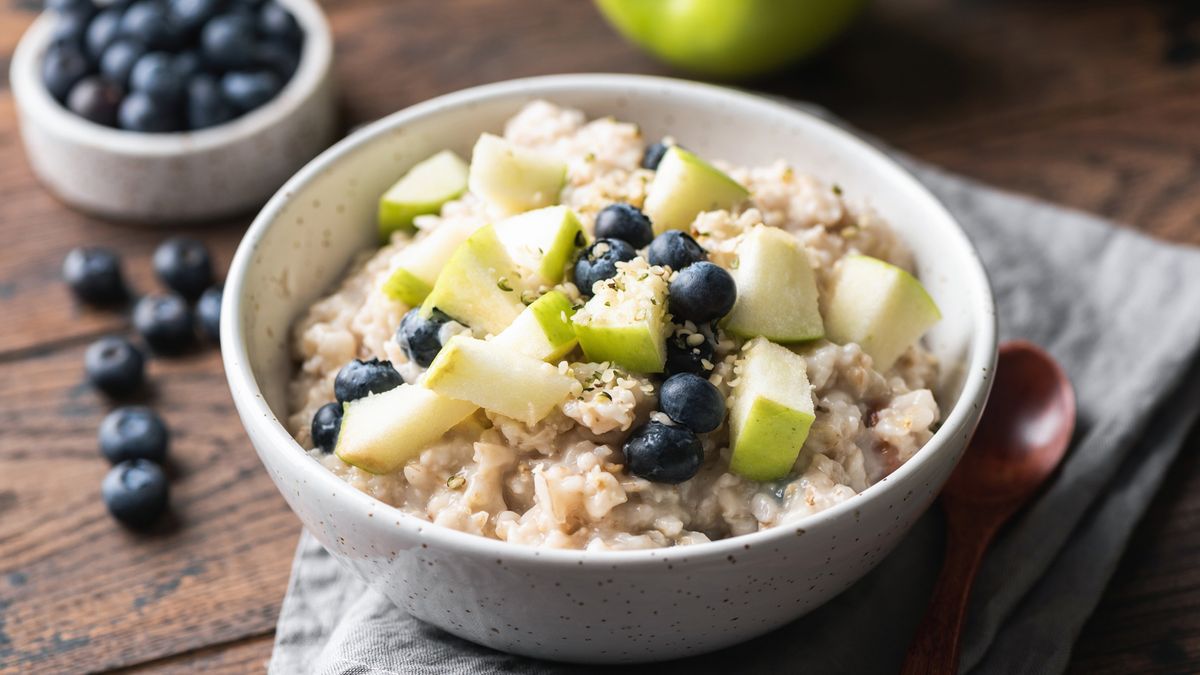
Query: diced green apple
512, 179
543, 330
776, 289
383, 431
422, 190
879, 306
625, 322
479, 286
498, 379
772, 411
420, 264
543, 241
685, 185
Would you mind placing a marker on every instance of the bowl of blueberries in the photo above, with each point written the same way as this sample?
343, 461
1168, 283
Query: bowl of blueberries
162, 111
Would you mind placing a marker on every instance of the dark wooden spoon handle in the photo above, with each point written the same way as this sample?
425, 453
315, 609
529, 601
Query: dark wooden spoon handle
935, 649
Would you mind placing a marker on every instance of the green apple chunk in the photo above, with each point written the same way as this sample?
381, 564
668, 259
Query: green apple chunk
625, 322
879, 306
685, 185
419, 265
543, 330
512, 179
480, 285
383, 431
498, 379
543, 241
422, 190
776, 289
771, 413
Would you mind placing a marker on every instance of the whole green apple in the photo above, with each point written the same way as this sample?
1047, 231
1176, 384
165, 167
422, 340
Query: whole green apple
730, 38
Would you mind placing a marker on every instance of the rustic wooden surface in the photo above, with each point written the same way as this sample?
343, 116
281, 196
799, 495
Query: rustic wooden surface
1094, 104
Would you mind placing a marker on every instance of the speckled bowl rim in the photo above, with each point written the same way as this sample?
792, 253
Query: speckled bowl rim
32, 97
277, 441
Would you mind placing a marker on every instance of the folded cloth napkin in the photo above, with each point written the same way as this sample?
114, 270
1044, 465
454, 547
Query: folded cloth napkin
1119, 310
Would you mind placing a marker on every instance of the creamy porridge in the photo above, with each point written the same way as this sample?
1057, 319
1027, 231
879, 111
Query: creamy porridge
521, 386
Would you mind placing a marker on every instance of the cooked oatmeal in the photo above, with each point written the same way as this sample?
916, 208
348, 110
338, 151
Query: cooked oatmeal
564, 481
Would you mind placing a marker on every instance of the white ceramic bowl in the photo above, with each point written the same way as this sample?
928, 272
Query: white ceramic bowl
168, 178
575, 605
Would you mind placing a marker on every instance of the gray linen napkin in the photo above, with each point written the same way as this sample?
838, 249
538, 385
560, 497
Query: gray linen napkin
1120, 311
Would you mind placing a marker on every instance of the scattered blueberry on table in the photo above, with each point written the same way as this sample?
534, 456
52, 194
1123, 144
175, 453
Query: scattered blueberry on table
165, 322
208, 313
599, 262
625, 222
133, 432
94, 275
135, 492
675, 249
359, 379
114, 366
184, 266
663, 453
150, 66
326, 425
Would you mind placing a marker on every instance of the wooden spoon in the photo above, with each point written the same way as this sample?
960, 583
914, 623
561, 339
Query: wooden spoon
1022, 436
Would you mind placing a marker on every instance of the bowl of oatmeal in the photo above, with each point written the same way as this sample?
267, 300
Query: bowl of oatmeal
669, 364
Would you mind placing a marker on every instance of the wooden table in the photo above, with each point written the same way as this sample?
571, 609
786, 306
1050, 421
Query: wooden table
1093, 104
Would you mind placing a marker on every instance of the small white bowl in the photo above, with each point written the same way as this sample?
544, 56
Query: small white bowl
590, 606
167, 178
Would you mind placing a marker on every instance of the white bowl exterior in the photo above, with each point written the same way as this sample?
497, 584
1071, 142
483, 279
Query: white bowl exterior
574, 605
226, 170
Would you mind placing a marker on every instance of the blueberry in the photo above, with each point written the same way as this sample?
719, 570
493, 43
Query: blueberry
164, 322
249, 90
689, 354
702, 292
662, 453
599, 262
675, 249
133, 432
190, 15
140, 112
206, 105
97, 99
63, 66
135, 492
326, 424
148, 21
70, 28
359, 378
208, 314
154, 75
114, 366
692, 401
188, 64
277, 57
653, 155
228, 40
94, 275
625, 222
104, 30
70, 6
117, 61
420, 337
277, 23
184, 266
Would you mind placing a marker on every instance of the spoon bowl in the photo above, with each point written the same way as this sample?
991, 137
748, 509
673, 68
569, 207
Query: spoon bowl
1024, 431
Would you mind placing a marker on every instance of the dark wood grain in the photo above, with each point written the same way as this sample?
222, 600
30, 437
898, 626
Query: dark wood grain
1094, 104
